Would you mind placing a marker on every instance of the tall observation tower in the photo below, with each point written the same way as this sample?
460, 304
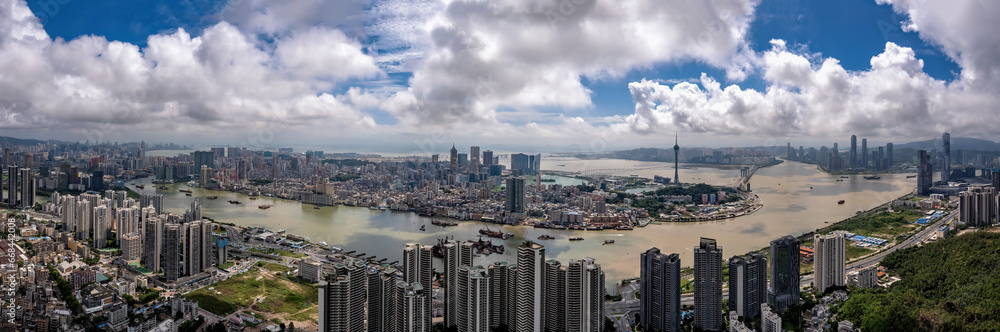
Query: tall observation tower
677, 150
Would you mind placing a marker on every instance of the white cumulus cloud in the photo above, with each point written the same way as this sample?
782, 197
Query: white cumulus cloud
222, 81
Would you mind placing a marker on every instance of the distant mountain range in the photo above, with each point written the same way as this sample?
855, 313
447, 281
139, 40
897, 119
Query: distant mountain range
957, 143
23, 141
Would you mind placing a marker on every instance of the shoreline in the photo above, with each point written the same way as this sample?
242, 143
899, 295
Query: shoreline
757, 205
806, 235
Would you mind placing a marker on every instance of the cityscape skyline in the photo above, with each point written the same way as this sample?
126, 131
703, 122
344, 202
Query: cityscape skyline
104, 213
499, 166
501, 148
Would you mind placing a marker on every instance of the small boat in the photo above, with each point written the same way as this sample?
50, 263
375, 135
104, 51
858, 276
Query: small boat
264, 207
212, 197
810, 188
873, 177
253, 197
910, 176
187, 194
322, 243
423, 227
840, 202
185, 191
234, 202
844, 177
281, 231
140, 186
609, 241
840, 180
576, 238
316, 207
546, 237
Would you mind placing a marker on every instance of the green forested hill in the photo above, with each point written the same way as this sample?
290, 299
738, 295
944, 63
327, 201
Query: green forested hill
951, 285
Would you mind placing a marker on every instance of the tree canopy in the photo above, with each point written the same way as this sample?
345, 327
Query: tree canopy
950, 285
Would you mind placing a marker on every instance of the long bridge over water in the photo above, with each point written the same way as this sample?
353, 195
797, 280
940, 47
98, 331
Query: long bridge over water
743, 183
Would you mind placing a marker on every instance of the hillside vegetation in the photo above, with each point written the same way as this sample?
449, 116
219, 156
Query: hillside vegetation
951, 285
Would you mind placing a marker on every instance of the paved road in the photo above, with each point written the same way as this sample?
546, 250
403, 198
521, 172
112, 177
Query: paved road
909, 242
630, 304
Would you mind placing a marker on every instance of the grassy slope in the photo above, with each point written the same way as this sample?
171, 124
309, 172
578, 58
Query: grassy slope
280, 295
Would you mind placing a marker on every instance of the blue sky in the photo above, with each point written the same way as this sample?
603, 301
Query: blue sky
124, 20
614, 73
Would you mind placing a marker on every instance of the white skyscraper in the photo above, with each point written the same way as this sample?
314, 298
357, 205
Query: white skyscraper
473, 299
151, 199
101, 226
411, 308
83, 216
530, 289
828, 261
197, 247
418, 270
69, 214
126, 220
455, 256
131, 248
584, 296
769, 320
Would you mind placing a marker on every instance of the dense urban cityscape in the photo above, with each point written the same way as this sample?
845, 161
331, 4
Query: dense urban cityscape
95, 249
499, 166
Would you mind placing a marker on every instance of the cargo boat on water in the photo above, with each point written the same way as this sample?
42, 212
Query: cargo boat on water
497, 234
